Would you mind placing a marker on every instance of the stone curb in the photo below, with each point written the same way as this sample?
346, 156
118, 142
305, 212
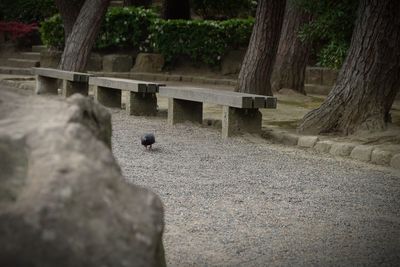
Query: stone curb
365, 153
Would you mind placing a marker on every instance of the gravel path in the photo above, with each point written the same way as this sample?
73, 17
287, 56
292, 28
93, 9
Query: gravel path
245, 202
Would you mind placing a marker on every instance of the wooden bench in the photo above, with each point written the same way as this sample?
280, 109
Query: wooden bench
141, 99
72, 82
239, 114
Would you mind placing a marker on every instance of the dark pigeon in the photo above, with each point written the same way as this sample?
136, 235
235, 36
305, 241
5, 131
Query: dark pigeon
148, 139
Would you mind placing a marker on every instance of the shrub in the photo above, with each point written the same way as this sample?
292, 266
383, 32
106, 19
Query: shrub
52, 32
125, 27
201, 40
238, 32
223, 9
333, 55
330, 30
121, 28
26, 11
17, 29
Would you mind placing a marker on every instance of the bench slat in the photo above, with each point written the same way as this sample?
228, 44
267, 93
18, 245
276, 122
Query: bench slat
219, 97
125, 84
62, 74
207, 96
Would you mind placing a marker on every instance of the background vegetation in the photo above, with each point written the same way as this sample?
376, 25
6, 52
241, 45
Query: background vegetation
227, 25
26, 11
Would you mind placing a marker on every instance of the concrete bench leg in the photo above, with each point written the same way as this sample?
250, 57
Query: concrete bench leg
107, 97
69, 88
184, 110
236, 120
46, 85
141, 104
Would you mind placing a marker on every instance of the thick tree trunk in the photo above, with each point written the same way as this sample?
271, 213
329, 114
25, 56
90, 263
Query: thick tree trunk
255, 73
291, 58
176, 9
370, 77
144, 3
81, 40
69, 11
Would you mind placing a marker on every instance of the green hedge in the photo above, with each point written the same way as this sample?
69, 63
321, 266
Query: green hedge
216, 9
125, 27
52, 32
201, 40
122, 28
26, 11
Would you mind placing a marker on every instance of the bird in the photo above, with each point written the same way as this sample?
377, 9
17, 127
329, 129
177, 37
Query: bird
148, 139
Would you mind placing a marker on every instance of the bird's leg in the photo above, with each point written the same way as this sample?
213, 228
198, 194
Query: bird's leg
150, 147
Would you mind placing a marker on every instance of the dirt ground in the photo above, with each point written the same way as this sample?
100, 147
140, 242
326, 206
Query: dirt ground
247, 202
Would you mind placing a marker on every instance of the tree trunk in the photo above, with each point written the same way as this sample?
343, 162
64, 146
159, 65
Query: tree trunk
69, 11
144, 3
255, 73
291, 58
81, 40
370, 77
176, 9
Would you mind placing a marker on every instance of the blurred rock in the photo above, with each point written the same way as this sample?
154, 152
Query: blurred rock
63, 200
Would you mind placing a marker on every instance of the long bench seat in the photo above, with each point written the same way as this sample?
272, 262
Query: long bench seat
141, 99
240, 110
72, 82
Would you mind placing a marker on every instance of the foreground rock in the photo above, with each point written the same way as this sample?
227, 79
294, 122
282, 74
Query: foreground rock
63, 201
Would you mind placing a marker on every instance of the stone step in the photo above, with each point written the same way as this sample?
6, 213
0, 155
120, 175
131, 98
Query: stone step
38, 48
28, 55
21, 55
15, 71
116, 3
19, 63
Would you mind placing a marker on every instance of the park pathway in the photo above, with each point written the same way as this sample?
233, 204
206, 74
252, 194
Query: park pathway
246, 202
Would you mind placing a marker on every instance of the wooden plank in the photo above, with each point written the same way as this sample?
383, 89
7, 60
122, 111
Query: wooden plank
62, 74
125, 84
219, 97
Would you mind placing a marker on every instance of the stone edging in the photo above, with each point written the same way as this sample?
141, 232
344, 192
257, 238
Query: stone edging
365, 153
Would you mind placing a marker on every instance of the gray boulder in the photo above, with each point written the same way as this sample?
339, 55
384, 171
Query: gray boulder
63, 200
117, 63
147, 62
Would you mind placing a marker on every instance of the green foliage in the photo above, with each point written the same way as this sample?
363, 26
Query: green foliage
331, 28
121, 28
333, 55
201, 40
125, 27
26, 11
214, 9
52, 32
237, 32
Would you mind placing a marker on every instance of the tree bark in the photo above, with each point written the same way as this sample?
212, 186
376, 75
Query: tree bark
176, 9
69, 11
144, 3
255, 73
81, 40
370, 77
291, 58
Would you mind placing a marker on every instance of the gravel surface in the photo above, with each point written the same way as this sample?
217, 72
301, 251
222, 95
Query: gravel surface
246, 202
